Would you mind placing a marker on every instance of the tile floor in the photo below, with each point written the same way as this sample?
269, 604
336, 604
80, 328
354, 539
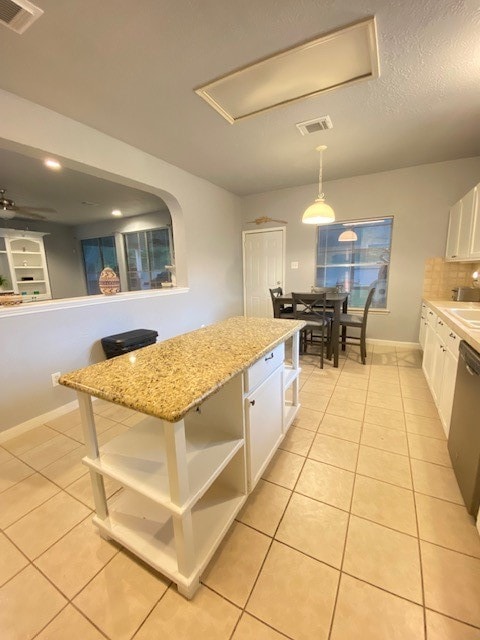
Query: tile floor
357, 529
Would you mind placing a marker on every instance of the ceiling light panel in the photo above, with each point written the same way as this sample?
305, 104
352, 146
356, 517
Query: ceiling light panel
334, 60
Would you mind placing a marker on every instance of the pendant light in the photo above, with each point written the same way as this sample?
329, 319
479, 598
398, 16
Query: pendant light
319, 212
348, 235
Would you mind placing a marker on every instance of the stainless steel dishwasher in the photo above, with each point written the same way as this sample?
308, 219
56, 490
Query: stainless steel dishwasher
464, 436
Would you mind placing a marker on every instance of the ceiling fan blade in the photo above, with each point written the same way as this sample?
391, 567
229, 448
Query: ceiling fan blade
35, 209
25, 213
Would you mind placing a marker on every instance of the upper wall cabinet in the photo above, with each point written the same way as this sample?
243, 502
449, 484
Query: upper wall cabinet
463, 241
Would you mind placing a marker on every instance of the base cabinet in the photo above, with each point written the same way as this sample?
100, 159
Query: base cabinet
264, 413
440, 360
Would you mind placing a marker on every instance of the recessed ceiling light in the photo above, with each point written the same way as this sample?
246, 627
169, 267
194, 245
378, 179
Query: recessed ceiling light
52, 164
117, 213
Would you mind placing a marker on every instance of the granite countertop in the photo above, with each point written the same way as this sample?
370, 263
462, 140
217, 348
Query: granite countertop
442, 309
167, 379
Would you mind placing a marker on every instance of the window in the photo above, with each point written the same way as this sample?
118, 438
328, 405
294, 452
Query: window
98, 253
357, 264
143, 266
148, 253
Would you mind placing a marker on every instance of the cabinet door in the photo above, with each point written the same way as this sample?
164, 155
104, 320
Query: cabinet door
451, 252
448, 389
423, 330
475, 243
264, 411
429, 351
436, 380
465, 234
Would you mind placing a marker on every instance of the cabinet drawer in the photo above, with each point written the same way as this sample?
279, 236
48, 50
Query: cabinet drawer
431, 317
442, 329
264, 367
452, 342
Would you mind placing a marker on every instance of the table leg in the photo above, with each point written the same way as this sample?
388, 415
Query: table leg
336, 331
344, 329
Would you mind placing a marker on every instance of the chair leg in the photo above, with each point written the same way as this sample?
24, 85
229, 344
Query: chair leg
363, 348
344, 337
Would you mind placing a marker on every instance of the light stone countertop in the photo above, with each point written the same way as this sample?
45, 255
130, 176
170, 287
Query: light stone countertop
443, 309
169, 378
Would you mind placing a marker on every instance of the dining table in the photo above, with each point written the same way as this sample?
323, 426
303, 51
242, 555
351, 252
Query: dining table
336, 301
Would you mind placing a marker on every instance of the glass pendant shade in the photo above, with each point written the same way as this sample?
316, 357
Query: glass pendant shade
319, 212
348, 236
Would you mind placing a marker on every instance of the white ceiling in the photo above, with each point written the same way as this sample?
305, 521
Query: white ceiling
77, 198
129, 69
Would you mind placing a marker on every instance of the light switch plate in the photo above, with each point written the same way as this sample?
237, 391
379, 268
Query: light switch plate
294, 265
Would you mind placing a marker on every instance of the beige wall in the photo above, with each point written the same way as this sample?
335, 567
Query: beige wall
207, 230
441, 277
419, 199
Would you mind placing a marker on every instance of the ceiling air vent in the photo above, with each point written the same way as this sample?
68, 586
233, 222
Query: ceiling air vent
312, 126
18, 15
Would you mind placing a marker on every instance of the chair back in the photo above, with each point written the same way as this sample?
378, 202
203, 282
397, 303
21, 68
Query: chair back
309, 306
275, 293
368, 302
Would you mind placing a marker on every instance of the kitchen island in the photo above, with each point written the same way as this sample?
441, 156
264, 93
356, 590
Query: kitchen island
213, 411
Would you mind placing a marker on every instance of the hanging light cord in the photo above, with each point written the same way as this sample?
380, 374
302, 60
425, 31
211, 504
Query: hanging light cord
321, 195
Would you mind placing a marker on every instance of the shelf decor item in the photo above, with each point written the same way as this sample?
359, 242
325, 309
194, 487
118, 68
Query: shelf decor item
3, 282
10, 299
109, 282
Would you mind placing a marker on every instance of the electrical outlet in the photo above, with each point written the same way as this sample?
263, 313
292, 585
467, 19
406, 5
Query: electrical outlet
55, 377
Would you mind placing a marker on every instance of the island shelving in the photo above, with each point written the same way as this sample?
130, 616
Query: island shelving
213, 412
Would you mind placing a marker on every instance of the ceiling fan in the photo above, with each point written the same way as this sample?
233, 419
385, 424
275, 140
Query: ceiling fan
9, 210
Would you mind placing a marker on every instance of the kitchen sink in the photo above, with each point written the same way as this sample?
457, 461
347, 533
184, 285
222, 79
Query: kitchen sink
470, 317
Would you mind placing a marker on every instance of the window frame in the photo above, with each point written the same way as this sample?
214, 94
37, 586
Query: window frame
344, 225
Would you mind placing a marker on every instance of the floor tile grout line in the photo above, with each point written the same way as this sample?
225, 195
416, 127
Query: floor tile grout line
334, 610
420, 559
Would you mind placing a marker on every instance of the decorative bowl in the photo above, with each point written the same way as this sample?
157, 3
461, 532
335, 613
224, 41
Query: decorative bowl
10, 299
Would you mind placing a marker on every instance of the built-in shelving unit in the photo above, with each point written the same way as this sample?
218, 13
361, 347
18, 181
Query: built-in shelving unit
23, 263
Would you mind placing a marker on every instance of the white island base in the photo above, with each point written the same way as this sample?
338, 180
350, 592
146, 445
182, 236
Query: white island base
184, 482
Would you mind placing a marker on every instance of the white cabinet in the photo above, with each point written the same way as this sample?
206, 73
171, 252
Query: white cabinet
445, 402
463, 240
264, 412
423, 326
475, 241
454, 231
22, 257
440, 359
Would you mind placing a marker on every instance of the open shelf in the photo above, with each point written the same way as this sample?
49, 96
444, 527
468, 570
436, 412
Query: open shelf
289, 375
146, 529
137, 459
290, 411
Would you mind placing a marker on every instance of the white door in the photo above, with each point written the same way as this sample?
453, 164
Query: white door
263, 269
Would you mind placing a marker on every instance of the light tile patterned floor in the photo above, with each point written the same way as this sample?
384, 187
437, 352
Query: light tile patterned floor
357, 529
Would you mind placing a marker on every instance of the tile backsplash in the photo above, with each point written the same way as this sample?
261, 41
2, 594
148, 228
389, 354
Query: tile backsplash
441, 277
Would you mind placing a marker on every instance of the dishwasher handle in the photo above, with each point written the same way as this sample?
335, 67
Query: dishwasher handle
470, 357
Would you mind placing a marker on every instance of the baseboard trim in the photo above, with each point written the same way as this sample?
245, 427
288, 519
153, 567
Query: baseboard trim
394, 343
18, 429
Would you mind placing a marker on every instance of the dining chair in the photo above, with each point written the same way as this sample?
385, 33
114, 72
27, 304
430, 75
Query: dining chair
311, 308
285, 311
357, 322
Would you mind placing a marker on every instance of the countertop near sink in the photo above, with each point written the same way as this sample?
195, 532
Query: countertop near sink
442, 309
